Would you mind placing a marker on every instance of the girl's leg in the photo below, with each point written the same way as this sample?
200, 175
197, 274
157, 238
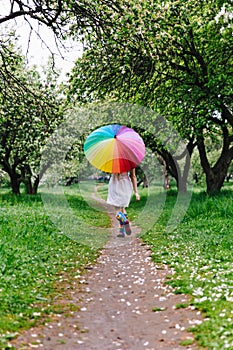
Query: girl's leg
121, 224
121, 231
124, 221
127, 225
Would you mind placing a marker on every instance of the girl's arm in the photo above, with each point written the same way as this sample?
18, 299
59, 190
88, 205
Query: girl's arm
134, 182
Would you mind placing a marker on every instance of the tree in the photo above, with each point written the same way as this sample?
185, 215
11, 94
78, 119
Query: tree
58, 15
29, 113
20, 100
171, 56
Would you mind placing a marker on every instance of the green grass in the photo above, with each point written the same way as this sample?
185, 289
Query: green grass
35, 253
199, 250
42, 240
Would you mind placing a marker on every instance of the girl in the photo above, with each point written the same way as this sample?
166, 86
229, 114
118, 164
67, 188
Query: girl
119, 194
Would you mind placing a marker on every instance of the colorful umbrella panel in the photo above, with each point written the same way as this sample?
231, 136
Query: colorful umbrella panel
114, 148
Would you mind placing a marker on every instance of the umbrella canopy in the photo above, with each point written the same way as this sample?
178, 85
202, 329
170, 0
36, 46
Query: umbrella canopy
114, 148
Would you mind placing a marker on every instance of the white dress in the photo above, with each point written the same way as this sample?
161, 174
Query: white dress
120, 190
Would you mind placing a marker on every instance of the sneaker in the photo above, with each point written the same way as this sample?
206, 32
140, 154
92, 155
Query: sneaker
121, 232
127, 226
121, 235
128, 229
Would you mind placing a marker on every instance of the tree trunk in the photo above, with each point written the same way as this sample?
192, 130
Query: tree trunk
15, 179
182, 184
171, 163
215, 178
35, 185
143, 177
15, 183
31, 187
215, 175
28, 185
26, 173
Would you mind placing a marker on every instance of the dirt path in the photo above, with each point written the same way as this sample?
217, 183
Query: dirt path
118, 300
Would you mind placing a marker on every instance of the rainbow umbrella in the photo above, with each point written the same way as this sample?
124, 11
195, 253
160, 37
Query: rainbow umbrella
114, 148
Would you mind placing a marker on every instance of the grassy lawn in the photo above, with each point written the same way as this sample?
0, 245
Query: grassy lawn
35, 253
199, 250
46, 236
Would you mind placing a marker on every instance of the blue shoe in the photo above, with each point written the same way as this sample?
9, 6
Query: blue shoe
121, 232
121, 235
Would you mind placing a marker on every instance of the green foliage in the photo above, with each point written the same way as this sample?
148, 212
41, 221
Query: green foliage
158, 309
173, 57
186, 342
29, 112
150, 49
200, 252
34, 256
